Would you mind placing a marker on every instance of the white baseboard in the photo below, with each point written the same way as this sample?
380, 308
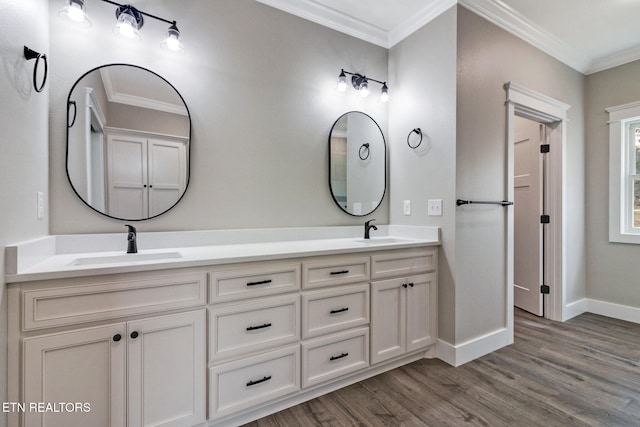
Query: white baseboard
574, 309
460, 354
617, 311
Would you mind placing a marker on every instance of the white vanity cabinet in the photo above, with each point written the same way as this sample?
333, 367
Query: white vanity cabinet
105, 368
214, 345
403, 308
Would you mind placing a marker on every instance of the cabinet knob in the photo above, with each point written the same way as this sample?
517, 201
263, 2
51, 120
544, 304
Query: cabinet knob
117, 337
134, 334
411, 284
404, 285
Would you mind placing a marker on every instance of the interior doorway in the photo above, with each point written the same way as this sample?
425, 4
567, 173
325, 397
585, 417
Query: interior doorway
524, 103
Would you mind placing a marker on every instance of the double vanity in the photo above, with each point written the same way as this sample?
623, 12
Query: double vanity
211, 334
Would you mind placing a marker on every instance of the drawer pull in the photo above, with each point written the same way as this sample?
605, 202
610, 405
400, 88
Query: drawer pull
250, 383
134, 334
253, 328
338, 357
335, 273
262, 282
411, 284
340, 310
117, 337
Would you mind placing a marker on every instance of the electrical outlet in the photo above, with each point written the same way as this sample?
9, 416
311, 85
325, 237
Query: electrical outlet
434, 207
407, 207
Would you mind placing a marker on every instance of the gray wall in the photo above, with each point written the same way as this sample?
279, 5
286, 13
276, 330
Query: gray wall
611, 267
488, 57
422, 72
23, 140
260, 85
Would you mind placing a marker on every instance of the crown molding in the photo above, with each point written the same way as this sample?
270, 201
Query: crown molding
331, 18
505, 17
419, 20
137, 101
494, 11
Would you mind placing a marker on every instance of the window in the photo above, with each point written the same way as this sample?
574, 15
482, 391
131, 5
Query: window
624, 173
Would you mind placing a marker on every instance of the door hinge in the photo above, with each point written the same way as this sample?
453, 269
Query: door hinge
544, 289
544, 148
545, 219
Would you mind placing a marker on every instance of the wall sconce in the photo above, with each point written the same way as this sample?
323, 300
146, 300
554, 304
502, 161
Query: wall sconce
361, 84
129, 21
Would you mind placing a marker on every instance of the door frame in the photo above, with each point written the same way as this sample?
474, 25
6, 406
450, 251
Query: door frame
532, 105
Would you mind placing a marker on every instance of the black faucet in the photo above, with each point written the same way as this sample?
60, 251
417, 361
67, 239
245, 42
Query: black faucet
132, 247
368, 227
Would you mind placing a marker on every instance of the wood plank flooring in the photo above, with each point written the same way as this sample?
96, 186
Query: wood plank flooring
583, 372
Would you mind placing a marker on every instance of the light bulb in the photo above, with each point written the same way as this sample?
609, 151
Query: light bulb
364, 88
384, 96
128, 24
173, 41
342, 82
75, 12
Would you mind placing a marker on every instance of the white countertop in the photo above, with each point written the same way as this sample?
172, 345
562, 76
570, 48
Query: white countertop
53, 258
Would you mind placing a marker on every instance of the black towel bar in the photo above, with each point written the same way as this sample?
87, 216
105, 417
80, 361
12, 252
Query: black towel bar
461, 202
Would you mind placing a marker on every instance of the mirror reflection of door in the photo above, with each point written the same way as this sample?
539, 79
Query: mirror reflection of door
128, 142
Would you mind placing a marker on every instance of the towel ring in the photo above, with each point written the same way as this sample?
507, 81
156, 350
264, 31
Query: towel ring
364, 147
419, 132
32, 54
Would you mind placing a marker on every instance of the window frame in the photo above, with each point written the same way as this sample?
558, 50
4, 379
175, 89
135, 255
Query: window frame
622, 173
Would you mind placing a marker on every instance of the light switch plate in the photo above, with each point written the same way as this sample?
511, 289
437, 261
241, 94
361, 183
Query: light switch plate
407, 207
40, 204
434, 207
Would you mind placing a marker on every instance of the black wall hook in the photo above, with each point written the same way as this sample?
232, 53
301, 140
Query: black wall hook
30, 54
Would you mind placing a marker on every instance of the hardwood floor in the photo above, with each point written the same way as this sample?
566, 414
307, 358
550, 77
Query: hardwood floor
583, 372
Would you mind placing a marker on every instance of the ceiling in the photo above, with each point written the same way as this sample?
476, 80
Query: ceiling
587, 35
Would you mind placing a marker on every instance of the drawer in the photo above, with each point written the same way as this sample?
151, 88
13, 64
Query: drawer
238, 329
334, 271
329, 357
404, 263
226, 285
248, 382
69, 305
334, 309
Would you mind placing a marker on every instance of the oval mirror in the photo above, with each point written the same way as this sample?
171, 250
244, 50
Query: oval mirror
357, 163
128, 142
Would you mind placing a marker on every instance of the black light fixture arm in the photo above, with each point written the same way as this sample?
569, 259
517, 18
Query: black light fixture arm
142, 13
357, 75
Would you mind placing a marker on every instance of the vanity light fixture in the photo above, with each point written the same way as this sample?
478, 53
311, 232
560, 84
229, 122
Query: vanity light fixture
361, 84
129, 21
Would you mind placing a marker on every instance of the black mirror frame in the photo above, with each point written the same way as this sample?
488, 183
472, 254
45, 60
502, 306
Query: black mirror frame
66, 166
384, 144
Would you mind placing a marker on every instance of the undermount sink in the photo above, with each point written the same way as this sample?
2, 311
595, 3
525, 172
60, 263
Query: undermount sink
114, 259
381, 240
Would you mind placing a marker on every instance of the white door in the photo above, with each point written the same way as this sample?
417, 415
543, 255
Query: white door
86, 367
167, 370
167, 174
127, 163
528, 206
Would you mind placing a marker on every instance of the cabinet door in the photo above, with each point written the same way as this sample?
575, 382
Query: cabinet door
84, 367
167, 370
388, 319
421, 311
